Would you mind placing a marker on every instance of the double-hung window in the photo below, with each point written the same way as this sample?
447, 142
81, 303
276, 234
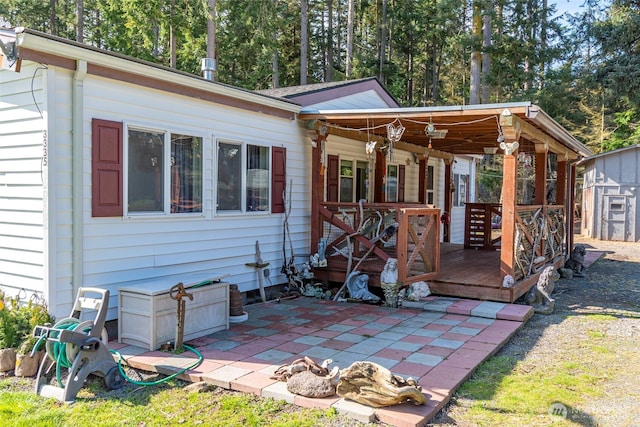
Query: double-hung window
392, 183
461, 195
164, 172
243, 177
346, 181
430, 185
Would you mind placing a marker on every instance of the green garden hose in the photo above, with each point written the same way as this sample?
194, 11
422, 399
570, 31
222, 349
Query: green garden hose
160, 381
63, 354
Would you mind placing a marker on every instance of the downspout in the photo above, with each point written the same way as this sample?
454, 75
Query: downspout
77, 219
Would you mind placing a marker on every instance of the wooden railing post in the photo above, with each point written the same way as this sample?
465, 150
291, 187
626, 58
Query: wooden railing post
401, 243
317, 188
509, 179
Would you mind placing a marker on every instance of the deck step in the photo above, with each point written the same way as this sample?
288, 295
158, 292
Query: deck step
470, 307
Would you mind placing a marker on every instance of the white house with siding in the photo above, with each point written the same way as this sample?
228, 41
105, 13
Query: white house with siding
115, 171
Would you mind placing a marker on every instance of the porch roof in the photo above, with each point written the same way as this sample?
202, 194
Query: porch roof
470, 128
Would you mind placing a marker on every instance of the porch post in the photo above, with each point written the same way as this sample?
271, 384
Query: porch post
317, 187
561, 185
509, 180
446, 235
541, 174
422, 181
379, 193
572, 201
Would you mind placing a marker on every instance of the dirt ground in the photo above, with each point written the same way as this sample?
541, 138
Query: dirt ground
611, 287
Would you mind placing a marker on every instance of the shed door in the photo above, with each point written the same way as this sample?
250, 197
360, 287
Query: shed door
616, 220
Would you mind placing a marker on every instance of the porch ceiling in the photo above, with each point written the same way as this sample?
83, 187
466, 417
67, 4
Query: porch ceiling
469, 128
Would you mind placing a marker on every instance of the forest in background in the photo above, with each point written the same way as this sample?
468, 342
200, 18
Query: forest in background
583, 68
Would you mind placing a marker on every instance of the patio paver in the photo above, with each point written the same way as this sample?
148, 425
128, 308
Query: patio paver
440, 348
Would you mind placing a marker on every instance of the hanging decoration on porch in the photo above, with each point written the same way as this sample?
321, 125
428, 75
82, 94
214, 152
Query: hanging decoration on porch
370, 145
394, 134
431, 131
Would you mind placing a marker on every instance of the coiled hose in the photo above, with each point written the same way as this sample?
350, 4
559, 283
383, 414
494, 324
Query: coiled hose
63, 354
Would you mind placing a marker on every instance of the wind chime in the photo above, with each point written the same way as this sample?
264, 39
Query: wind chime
394, 133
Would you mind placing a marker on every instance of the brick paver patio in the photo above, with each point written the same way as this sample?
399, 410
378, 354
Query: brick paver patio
437, 341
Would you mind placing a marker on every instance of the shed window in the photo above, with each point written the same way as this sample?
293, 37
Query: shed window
164, 172
243, 177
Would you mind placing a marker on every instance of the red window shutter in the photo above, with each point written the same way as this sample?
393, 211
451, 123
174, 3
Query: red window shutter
106, 168
333, 179
401, 179
278, 179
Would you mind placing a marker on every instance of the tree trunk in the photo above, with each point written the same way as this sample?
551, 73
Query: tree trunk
383, 39
543, 43
328, 72
275, 73
172, 35
350, 17
211, 33
80, 25
304, 41
486, 56
474, 71
52, 17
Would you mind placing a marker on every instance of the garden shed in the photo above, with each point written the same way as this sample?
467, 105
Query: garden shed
610, 195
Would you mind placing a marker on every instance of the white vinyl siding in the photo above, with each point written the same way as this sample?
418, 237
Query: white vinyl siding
119, 251
22, 169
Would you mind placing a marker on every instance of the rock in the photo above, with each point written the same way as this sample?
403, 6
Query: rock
308, 384
199, 387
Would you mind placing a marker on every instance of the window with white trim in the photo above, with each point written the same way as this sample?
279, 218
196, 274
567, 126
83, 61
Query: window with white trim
164, 172
461, 195
430, 185
392, 183
243, 177
346, 181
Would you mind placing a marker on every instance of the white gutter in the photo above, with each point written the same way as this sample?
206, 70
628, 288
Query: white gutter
418, 110
535, 114
77, 133
72, 50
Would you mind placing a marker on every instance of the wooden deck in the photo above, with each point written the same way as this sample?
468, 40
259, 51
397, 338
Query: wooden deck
471, 273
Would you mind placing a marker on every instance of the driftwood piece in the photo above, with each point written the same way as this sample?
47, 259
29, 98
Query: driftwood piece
374, 385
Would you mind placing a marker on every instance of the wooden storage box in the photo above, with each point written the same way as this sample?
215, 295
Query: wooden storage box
147, 314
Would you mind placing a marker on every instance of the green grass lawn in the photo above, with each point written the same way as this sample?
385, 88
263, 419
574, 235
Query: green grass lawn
161, 405
576, 372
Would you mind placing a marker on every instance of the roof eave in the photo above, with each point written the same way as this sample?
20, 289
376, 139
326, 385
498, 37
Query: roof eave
30, 39
538, 116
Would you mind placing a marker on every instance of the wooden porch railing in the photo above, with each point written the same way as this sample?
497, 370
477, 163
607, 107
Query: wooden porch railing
539, 235
483, 225
539, 239
363, 236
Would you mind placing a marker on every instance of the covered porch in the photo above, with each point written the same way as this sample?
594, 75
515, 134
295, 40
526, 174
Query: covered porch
506, 245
